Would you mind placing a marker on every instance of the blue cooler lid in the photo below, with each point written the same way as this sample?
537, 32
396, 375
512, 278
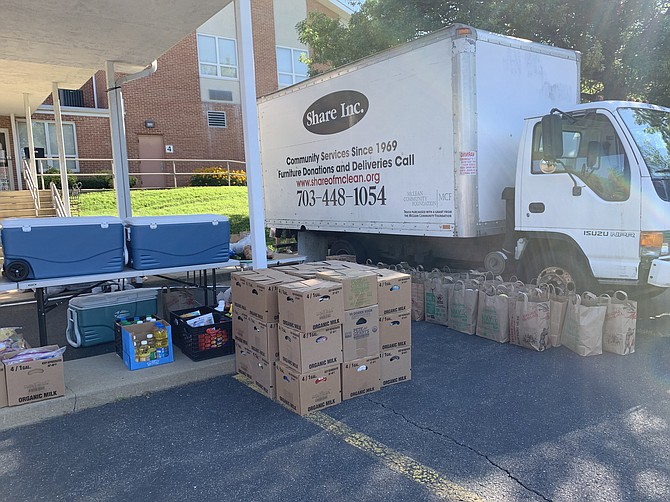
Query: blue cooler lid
113, 298
139, 221
59, 222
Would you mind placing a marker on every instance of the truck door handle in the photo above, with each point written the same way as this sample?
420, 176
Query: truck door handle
536, 207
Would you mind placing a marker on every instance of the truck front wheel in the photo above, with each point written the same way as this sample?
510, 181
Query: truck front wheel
562, 267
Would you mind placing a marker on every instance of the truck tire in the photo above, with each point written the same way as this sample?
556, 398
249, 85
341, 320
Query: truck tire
350, 247
562, 267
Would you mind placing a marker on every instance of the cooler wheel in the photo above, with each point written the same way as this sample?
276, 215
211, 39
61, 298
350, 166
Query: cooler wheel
17, 270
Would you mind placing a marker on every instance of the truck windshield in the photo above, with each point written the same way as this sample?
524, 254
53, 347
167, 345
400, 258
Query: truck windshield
651, 131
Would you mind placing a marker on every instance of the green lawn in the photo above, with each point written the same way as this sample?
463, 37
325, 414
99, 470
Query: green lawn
228, 201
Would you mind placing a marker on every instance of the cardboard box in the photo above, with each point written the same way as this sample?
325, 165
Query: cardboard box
308, 392
261, 295
360, 377
263, 339
396, 366
351, 258
3, 387
139, 332
306, 352
263, 375
310, 305
34, 381
243, 361
395, 331
240, 327
359, 288
394, 292
238, 289
298, 272
360, 333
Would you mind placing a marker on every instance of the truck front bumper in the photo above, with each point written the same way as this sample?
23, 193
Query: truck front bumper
659, 273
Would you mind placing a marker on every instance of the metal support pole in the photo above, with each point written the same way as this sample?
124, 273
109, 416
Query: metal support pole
119, 146
29, 131
60, 140
18, 164
174, 173
252, 152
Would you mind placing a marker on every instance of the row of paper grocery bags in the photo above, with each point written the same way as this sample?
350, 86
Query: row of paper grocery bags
533, 316
311, 335
44, 248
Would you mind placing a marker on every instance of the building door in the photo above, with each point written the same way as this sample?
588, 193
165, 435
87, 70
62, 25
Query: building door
5, 161
151, 148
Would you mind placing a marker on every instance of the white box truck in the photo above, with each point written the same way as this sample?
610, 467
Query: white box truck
468, 147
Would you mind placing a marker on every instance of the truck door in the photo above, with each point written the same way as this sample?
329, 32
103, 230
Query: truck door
589, 196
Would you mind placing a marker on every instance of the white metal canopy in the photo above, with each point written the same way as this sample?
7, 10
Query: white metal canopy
67, 41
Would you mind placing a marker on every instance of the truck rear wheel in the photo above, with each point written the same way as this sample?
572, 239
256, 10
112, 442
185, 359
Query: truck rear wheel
349, 247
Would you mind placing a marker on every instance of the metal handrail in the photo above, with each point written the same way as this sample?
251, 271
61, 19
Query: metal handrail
59, 206
174, 174
32, 186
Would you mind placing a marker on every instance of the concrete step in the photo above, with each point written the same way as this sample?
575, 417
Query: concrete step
20, 204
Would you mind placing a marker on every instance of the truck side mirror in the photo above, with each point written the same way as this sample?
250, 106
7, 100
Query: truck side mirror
552, 136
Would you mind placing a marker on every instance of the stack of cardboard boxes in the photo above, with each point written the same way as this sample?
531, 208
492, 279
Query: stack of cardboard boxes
312, 335
255, 324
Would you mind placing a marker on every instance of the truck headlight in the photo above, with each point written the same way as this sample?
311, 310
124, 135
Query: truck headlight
651, 244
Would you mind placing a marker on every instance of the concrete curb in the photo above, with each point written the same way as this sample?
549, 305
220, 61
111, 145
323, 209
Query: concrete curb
95, 381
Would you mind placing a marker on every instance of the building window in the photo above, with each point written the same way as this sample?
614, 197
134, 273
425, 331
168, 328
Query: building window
43, 130
217, 57
71, 97
216, 119
290, 70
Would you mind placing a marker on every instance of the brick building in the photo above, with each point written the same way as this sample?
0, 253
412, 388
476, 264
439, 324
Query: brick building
188, 109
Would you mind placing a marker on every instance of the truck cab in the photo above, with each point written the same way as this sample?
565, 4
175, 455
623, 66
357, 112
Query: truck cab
592, 197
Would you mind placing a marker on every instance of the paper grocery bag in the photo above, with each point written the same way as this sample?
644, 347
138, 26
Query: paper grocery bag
583, 326
418, 289
437, 287
620, 323
532, 322
462, 311
558, 304
492, 314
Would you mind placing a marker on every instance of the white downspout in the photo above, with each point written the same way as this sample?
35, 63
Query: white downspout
60, 140
95, 92
118, 132
252, 152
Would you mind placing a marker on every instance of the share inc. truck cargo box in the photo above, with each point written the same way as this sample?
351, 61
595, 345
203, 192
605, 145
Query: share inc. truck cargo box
417, 140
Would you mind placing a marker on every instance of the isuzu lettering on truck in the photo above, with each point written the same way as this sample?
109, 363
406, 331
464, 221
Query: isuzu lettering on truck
471, 148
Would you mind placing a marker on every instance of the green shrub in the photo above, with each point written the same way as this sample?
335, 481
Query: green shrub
218, 176
102, 182
52, 175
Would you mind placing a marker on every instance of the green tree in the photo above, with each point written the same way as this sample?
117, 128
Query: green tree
624, 43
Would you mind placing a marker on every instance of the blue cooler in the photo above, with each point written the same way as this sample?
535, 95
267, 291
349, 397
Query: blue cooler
90, 318
42, 248
177, 241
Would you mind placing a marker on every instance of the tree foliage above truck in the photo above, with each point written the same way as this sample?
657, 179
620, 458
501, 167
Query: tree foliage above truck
625, 44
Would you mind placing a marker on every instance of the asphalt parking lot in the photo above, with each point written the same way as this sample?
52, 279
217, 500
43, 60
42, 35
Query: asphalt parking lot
478, 421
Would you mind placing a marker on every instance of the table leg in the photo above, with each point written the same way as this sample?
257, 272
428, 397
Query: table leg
41, 316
